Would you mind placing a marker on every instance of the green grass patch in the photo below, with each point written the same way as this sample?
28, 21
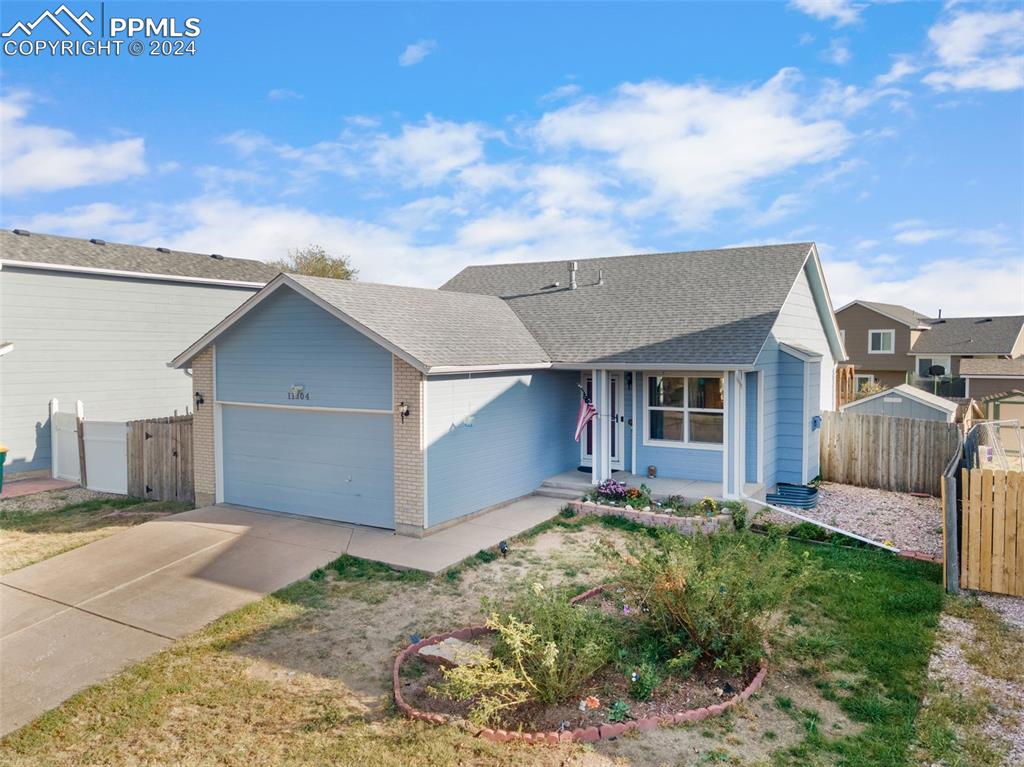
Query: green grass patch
875, 618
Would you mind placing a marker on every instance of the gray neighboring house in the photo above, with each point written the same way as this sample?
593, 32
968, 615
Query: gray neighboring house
97, 321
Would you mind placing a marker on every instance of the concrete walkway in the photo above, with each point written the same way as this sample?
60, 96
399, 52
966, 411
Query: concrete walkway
72, 621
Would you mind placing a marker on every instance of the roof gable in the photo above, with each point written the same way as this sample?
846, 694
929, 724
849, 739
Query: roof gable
711, 307
911, 392
901, 314
434, 332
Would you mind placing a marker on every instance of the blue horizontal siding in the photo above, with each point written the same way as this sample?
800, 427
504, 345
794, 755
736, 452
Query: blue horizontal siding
680, 462
335, 466
789, 433
521, 434
289, 340
750, 431
812, 436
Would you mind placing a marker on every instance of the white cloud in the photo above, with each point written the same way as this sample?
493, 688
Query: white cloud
842, 12
978, 50
695, 150
39, 158
782, 206
429, 152
283, 94
838, 51
561, 92
920, 236
416, 52
568, 188
902, 66
982, 285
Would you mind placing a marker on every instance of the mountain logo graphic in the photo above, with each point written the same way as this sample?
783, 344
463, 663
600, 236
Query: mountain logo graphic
55, 17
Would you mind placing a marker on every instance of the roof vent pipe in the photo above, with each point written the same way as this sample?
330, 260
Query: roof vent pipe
573, 266
940, 314
600, 276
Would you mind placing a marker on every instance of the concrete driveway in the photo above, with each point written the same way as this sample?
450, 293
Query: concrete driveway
71, 621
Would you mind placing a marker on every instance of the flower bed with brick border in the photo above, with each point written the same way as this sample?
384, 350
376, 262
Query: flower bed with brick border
583, 734
685, 525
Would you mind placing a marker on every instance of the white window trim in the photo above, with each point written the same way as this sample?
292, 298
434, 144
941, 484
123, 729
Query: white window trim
892, 334
946, 360
856, 376
685, 410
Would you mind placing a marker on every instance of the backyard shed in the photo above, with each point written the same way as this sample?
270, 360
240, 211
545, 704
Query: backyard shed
905, 401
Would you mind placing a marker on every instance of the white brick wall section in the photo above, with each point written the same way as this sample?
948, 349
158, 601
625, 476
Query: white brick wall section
204, 465
408, 388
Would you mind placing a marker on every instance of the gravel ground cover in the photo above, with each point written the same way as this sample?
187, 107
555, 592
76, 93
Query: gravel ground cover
53, 499
974, 711
905, 521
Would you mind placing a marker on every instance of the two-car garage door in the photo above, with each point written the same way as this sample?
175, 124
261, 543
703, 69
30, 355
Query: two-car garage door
332, 465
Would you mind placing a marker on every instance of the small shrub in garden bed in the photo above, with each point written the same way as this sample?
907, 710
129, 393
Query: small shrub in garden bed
710, 597
546, 649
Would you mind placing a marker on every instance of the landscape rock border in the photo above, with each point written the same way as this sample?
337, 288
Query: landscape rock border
579, 735
685, 525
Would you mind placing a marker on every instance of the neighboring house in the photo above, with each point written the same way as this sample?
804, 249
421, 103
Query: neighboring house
407, 408
986, 377
94, 321
891, 344
905, 401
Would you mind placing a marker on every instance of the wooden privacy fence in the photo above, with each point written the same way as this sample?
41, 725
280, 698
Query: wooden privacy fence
903, 454
992, 531
160, 458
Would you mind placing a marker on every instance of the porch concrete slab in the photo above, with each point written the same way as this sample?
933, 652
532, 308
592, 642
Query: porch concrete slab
45, 663
19, 609
91, 570
300, 531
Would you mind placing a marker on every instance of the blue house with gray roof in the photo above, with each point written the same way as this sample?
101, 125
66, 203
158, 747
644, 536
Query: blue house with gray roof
409, 408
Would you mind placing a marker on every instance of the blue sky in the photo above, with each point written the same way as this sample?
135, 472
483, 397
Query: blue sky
421, 138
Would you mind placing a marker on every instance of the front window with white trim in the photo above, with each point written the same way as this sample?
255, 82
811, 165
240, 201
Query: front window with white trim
881, 341
685, 410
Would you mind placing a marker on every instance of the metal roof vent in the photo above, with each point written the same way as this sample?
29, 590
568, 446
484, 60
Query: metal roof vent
22, 232
218, 256
573, 266
164, 250
97, 241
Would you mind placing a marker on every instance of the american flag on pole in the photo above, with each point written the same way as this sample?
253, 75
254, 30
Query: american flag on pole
587, 413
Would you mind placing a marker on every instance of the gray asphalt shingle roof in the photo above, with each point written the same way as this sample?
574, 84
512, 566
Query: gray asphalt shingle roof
73, 252
901, 313
970, 335
437, 328
988, 367
709, 307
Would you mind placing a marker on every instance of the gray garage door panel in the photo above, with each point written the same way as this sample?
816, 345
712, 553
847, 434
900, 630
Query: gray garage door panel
337, 466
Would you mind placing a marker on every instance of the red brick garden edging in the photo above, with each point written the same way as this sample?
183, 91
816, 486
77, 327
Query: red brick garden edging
581, 734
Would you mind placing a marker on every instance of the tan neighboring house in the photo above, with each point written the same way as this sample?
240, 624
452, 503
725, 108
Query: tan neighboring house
890, 344
988, 377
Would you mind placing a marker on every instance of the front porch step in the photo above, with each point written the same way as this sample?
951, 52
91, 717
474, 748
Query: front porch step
565, 484
558, 492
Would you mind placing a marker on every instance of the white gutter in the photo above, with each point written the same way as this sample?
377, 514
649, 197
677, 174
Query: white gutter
123, 273
802, 518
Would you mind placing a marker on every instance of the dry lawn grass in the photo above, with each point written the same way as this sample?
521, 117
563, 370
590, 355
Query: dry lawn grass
28, 536
302, 678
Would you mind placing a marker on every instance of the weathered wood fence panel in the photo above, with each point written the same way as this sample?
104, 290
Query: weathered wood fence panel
902, 454
160, 458
992, 539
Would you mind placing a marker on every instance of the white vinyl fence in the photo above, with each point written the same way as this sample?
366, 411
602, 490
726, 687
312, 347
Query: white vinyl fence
105, 445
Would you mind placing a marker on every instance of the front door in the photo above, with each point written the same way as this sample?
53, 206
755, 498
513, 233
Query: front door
617, 421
